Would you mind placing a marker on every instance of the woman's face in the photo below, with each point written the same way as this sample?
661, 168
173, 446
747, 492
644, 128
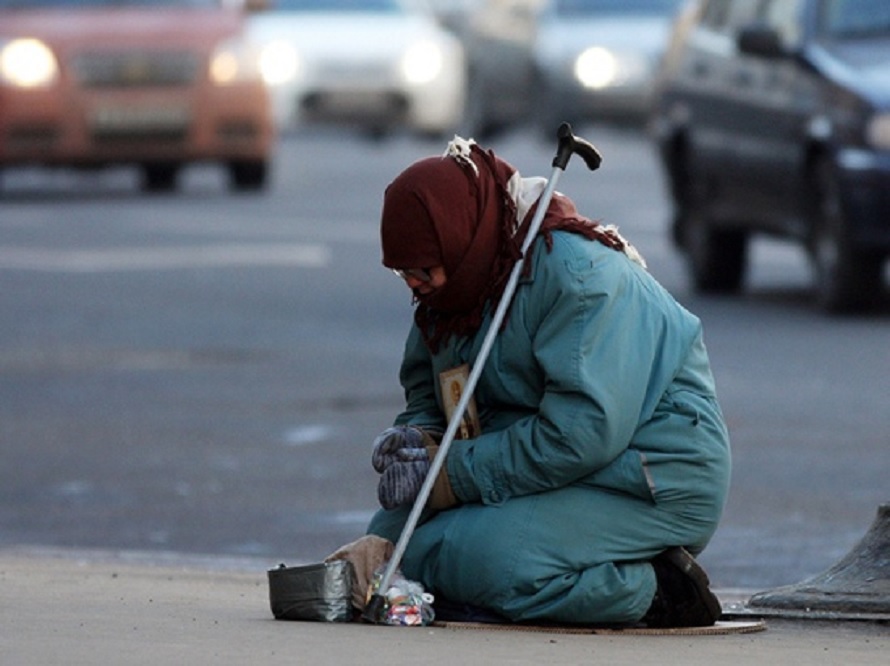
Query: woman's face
424, 287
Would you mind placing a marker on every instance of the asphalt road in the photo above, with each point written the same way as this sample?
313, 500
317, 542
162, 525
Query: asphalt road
203, 373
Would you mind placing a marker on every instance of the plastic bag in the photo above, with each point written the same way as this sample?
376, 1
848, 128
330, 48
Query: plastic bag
406, 604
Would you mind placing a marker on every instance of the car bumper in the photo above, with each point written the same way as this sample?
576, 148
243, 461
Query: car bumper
630, 102
865, 183
617, 103
374, 107
50, 128
437, 106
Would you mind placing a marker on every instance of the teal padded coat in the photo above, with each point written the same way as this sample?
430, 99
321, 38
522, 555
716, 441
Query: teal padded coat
602, 444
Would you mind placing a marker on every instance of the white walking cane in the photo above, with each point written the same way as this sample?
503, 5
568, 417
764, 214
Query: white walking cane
568, 145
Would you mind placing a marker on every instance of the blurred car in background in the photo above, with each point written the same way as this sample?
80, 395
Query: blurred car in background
774, 117
498, 36
378, 65
599, 59
155, 83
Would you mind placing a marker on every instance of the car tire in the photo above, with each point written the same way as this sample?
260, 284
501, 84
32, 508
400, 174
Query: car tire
248, 175
847, 278
160, 176
717, 257
676, 167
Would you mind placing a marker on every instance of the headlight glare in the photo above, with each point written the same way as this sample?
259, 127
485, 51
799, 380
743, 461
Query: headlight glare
422, 62
233, 62
279, 63
27, 63
596, 68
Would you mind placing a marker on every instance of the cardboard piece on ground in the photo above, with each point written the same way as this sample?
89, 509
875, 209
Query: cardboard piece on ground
724, 627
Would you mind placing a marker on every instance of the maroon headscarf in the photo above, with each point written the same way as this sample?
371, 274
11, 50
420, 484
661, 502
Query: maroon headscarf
441, 212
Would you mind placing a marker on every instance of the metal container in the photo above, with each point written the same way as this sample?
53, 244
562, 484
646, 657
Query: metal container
316, 592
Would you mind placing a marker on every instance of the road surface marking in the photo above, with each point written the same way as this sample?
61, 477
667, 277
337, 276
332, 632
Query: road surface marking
103, 260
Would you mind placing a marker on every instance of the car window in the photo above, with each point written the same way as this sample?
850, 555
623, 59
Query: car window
855, 18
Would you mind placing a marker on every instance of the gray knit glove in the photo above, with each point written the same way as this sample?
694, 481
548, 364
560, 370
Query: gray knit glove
399, 444
401, 481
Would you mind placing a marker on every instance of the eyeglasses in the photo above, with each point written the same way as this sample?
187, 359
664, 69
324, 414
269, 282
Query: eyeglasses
421, 274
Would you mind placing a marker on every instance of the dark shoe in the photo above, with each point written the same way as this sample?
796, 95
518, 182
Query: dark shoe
683, 597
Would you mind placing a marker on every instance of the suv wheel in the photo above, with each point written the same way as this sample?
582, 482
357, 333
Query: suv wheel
847, 279
717, 257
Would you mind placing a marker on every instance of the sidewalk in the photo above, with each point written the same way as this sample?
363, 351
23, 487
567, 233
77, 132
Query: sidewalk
81, 609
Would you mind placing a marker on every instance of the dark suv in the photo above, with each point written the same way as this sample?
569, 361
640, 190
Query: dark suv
774, 116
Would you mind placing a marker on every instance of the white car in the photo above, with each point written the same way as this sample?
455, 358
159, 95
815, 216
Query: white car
599, 59
378, 65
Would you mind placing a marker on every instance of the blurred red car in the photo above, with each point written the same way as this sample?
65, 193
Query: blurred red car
154, 83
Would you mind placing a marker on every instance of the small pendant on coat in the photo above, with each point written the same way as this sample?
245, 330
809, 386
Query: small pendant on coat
452, 383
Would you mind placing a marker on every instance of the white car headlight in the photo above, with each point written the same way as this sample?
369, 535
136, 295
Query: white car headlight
422, 62
596, 68
279, 63
27, 63
234, 61
877, 133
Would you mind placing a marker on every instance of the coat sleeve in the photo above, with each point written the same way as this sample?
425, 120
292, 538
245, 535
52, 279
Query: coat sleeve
598, 338
419, 383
